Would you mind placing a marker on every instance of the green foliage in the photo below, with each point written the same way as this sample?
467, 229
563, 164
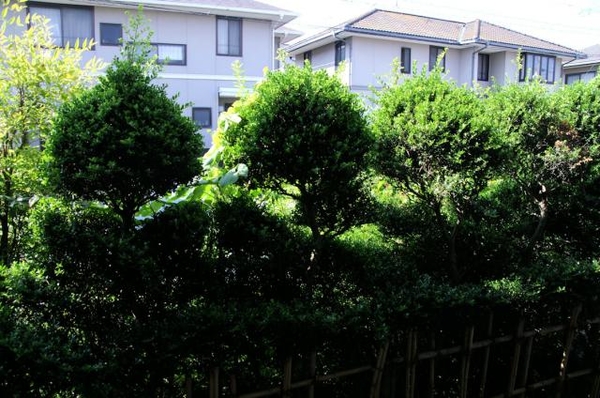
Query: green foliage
549, 153
123, 142
303, 135
37, 77
432, 142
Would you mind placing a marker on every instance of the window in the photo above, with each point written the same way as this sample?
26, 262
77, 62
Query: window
308, 56
340, 53
202, 117
169, 54
67, 23
571, 78
434, 54
405, 61
229, 36
538, 65
483, 67
111, 34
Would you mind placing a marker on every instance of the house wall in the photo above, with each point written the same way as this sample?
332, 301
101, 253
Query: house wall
198, 82
369, 59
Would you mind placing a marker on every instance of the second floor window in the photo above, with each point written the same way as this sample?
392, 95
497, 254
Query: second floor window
340, 53
483, 67
229, 36
538, 65
434, 54
169, 54
67, 23
111, 34
405, 61
308, 56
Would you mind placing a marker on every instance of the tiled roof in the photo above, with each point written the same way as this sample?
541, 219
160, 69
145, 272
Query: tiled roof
416, 27
413, 25
592, 60
498, 34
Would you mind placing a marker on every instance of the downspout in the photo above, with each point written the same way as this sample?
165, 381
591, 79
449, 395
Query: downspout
273, 52
476, 52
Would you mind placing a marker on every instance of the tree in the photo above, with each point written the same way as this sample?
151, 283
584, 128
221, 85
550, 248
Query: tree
432, 143
124, 141
546, 151
303, 135
134, 295
37, 77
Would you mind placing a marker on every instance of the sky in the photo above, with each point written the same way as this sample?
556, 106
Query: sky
571, 23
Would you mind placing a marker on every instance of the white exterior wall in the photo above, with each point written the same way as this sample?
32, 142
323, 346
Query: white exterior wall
199, 80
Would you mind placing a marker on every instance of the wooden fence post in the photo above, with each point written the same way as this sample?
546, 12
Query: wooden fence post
567, 350
411, 362
233, 385
312, 374
525, 371
188, 386
486, 356
595, 390
287, 377
432, 366
378, 372
214, 383
514, 369
466, 360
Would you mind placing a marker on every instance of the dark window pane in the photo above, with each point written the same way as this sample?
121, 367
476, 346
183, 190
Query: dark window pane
405, 60
110, 34
340, 52
229, 36
483, 67
202, 117
434, 53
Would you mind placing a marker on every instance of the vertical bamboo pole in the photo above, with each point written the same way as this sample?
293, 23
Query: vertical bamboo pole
486, 356
233, 385
516, 359
466, 360
378, 372
526, 361
188, 386
567, 351
214, 383
411, 363
313, 373
432, 366
595, 390
287, 377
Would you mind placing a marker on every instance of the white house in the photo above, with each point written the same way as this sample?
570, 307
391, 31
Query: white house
583, 69
198, 40
475, 52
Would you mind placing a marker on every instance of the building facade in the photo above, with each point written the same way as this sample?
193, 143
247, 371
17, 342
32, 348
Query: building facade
196, 40
476, 52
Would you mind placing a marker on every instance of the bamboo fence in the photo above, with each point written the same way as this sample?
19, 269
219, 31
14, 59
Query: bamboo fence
417, 369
